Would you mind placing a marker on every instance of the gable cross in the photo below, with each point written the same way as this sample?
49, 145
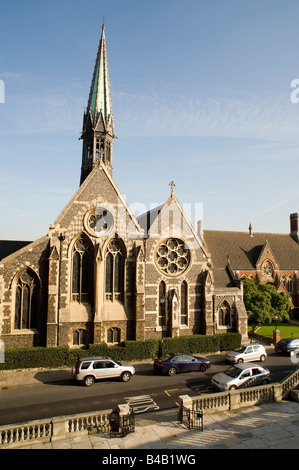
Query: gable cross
172, 184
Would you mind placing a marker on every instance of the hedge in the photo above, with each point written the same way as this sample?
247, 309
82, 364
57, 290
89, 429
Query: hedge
35, 357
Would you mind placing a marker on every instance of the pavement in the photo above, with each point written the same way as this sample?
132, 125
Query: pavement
266, 426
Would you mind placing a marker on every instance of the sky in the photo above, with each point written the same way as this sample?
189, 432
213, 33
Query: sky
204, 93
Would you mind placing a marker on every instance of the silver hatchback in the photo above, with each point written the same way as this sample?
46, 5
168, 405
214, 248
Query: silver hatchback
89, 369
241, 376
251, 352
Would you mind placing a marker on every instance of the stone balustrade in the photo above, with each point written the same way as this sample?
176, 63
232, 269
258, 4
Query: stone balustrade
16, 435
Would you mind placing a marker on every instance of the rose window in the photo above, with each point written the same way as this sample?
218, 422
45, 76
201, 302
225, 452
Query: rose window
267, 269
172, 256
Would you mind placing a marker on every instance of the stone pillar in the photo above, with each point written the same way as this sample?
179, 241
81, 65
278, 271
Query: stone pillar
276, 335
175, 321
59, 428
140, 295
52, 314
99, 297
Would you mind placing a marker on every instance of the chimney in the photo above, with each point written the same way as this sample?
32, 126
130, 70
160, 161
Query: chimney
294, 226
250, 229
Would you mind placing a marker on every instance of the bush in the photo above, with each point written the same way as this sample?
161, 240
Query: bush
228, 341
29, 358
196, 344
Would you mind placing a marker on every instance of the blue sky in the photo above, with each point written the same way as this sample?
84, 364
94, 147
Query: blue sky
201, 94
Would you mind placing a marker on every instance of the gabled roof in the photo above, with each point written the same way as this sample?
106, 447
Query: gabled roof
181, 226
7, 247
244, 250
91, 179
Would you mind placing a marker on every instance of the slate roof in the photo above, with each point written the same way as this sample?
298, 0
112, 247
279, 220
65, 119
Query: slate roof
222, 278
244, 250
7, 247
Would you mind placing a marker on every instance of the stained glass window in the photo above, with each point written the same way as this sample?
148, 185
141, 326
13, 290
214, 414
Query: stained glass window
26, 301
172, 256
113, 335
114, 271
162, 304
184, 310
224, 314
81, 271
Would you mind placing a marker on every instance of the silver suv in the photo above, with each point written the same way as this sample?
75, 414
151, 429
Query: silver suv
252, 352
89, 369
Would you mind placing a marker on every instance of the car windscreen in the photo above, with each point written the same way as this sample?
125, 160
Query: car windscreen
232, 371
241, 349
284, 341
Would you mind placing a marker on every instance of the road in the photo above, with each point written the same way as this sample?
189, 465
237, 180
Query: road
146, 391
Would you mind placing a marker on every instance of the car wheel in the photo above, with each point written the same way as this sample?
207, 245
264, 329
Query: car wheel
233, 387
240, 360
172, 371
265, 381
262, 358
89, 380
125, 376
203, 368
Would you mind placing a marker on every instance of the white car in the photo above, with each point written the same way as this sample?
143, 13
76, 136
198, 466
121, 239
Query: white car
241, 376
252, 352
89, 369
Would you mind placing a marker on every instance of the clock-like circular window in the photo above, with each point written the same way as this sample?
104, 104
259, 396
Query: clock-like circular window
172, 256
99, 222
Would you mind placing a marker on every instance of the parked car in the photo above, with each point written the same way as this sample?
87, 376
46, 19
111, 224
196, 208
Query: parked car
251, 352
241, 376
181, 363
287, 345
89, 369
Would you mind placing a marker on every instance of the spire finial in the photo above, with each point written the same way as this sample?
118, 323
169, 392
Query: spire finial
172, 184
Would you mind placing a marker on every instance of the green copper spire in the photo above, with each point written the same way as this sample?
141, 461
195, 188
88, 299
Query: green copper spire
100, 95
98, 125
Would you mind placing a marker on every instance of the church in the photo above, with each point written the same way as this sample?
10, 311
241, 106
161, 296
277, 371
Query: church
101, 274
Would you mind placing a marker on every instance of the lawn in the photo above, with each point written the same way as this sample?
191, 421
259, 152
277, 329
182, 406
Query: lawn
287, 330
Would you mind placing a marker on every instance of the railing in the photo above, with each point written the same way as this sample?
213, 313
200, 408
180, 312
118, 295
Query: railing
17, 435
234, 399
14, 434
291, 382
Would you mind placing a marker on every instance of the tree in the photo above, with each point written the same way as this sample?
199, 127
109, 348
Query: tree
263, 303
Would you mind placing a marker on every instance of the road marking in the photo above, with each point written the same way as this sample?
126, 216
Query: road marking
141, 403
172, 390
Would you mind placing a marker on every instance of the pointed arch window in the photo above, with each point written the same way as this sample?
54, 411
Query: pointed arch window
184, 303
162, 304
114, 279
79, 337
289, 284
224, 314
26, 301
81, 271
113, 335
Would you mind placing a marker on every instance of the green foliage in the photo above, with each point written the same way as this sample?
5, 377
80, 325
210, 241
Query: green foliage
27, 358
228, 341
263, 303
196, 344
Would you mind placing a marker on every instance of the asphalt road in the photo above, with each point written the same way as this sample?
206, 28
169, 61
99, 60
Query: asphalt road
146, 391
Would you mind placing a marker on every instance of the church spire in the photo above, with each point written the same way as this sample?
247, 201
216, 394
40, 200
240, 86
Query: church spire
98, 125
